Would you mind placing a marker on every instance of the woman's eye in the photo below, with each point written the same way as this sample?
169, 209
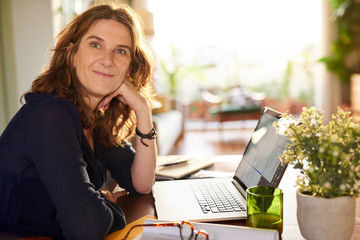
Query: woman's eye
95, 45
121, 51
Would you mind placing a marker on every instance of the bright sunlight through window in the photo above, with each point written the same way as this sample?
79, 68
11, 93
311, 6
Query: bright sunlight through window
260, 44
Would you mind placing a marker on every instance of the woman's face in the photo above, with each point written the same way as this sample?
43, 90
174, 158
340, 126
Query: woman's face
103, 58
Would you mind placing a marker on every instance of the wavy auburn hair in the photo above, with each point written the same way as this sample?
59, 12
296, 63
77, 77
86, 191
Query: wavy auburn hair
119, 121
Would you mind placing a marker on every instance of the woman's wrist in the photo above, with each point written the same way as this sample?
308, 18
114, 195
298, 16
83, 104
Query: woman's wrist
143, 108
151, 135
144, 119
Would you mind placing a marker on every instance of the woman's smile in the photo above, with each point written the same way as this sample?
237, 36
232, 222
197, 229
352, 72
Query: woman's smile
103, 74
103, 59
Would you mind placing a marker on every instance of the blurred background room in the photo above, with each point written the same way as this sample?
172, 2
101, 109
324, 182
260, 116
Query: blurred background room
217, 63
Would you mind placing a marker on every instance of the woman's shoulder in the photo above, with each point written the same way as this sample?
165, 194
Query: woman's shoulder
44, 99
51, 107
48, 102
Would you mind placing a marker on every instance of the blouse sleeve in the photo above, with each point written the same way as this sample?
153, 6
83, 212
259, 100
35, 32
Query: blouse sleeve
53, 141
118, 161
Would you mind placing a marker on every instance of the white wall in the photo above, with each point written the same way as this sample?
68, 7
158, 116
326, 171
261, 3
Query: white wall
33, 36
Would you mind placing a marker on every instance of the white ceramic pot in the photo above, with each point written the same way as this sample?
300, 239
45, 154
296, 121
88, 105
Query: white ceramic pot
324, 219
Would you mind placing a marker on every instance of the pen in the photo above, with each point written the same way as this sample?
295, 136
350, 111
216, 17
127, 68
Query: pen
172, 164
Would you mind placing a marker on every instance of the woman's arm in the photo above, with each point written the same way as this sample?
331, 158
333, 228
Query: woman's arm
53, 142
143, 167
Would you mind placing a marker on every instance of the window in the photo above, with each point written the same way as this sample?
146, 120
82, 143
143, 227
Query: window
269, 46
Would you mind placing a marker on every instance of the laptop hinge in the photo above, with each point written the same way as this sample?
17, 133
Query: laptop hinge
239, 188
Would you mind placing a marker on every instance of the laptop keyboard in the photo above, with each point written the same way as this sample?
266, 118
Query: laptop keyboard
216, 198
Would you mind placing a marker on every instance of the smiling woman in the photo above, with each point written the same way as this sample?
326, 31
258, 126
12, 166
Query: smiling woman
103, 59
56, 150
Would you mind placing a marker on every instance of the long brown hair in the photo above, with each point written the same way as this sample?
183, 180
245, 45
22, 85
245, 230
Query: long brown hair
119, 121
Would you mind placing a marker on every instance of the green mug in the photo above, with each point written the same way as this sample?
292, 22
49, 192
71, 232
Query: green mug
265, 208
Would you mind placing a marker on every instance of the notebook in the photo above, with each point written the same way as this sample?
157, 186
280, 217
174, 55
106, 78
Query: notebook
190, 199
180, 166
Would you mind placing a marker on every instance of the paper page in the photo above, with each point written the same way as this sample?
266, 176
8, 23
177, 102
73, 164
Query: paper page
215, 231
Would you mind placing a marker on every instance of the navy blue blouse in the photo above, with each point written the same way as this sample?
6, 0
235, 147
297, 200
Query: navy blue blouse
50, 177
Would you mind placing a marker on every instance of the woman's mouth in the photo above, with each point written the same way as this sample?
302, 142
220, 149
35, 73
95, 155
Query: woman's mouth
103, 74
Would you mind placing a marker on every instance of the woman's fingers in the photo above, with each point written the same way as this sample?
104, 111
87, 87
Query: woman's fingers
105, 102
113, 197
126, 88
119, 194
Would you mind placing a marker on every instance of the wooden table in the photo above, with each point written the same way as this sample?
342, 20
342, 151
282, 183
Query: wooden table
137, 206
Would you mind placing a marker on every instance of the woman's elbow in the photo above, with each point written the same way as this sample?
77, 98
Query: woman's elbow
144, 188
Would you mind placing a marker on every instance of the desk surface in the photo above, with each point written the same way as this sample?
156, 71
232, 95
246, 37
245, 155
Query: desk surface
137, 206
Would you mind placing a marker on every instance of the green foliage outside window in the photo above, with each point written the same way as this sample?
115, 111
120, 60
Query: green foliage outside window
344, 58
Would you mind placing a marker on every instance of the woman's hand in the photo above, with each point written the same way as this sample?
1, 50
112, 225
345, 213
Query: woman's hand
113, 197
128, 94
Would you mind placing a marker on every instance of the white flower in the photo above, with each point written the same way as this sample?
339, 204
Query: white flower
335, 153
342, 187
327, 185
321, 150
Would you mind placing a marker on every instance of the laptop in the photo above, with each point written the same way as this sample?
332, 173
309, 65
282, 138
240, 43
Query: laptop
190, 199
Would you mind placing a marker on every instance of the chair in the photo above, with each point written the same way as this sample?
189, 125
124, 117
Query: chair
233, 104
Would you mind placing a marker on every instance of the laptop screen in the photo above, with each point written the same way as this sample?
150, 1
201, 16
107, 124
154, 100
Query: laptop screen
260, 165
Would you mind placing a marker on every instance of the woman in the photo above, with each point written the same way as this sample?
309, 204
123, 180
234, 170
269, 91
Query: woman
73, 127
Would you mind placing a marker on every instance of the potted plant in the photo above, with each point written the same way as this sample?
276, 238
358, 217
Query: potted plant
328, 158
344, 57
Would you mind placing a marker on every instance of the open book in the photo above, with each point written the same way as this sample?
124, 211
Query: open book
215, 231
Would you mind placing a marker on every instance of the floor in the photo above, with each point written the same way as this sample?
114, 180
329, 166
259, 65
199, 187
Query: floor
211, 138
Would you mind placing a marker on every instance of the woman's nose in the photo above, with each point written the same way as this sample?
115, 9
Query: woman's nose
107, 59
